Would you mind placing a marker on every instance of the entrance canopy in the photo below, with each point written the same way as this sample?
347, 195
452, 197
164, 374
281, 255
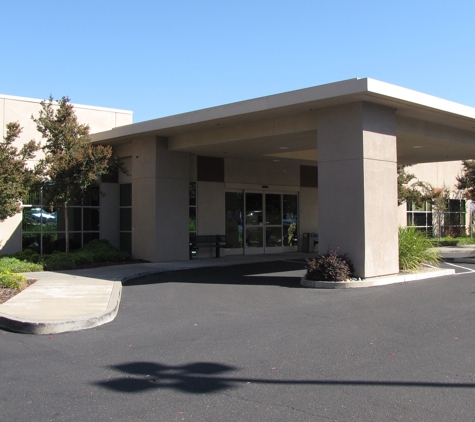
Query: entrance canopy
428, 129
355, 131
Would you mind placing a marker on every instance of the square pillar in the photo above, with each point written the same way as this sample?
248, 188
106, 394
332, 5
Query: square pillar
358, 186
160, 190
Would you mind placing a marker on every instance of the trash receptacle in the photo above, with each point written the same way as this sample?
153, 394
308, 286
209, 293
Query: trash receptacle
307, 245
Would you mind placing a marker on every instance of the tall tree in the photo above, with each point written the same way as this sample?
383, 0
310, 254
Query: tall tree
71, 163
410, 189
466, 181
15, 175
440, 205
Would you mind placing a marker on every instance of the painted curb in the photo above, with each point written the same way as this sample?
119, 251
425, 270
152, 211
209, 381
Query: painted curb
377, 281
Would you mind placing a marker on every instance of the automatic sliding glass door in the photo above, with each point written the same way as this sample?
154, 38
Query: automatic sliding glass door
259, 223
290, 220
273, 223
263, 223
234, 206
254, 223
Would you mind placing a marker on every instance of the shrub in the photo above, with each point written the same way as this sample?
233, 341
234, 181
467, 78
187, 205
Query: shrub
415, 249
103, 251
330, 267
82, 257
97, 251
28, 255
58, 262
15, 265
11, 280
445, 241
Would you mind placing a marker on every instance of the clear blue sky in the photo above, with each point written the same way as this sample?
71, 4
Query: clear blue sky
164, 57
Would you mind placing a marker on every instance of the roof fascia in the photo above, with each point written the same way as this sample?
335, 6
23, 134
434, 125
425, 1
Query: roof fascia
241, 108
364, 89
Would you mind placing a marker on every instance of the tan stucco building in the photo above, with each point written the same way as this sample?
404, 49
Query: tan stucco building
266, 171
88, 222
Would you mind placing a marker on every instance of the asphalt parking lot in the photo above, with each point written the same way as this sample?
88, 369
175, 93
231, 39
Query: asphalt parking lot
226, 344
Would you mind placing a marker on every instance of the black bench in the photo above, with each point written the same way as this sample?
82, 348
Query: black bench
207, 241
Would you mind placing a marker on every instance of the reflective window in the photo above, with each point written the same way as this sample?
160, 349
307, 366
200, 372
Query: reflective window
290, 213
449, 221
254, 237
253, 209
43, 228
273, 210
192, 208
234, 206
125, 217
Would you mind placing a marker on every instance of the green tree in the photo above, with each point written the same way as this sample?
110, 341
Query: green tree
440, 205
410, 189
15, 175
71, 163
466, 181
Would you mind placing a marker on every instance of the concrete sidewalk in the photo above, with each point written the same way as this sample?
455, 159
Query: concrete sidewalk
464, 254
80, 299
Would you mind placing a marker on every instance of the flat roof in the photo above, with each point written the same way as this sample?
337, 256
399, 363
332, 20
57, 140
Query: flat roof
81, 106
408, 103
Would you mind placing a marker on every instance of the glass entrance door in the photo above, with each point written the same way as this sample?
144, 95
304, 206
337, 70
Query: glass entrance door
263, 225
254, 223
259, 223
273, 223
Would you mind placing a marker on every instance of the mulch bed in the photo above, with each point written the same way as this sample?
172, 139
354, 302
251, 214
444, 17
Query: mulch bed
6, 294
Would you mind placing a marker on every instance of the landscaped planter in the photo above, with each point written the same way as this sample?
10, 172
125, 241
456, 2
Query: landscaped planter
349, 284
378, 281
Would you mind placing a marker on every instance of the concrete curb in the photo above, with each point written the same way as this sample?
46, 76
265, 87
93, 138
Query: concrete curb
460, 260
377, 281
55, 327
24, 326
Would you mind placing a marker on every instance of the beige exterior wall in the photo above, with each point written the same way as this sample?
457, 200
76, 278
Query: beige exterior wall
10, 235
282, 173
438, 174
109, 216
19, 109
402, 215
210, 212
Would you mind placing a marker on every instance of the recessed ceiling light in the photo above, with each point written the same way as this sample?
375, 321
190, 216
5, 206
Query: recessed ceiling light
276, 161
417, 146
283, 147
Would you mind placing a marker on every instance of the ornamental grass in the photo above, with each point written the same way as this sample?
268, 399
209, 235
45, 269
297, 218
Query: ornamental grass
416, 249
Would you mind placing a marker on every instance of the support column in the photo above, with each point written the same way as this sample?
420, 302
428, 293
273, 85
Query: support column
160, 190
357, 158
